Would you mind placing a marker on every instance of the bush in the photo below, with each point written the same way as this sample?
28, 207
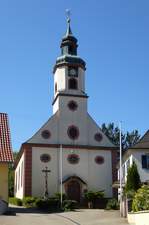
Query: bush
69, 205
112, 204
92, 195
141, 199
47, 204
57, 195
15, 201
99, 194
29, 202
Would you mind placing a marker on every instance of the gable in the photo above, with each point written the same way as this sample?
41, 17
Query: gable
90, 133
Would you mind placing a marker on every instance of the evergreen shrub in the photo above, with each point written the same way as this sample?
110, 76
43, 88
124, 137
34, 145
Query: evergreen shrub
133, 180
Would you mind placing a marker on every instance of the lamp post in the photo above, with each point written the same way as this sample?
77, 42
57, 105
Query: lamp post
61, 173
120, 174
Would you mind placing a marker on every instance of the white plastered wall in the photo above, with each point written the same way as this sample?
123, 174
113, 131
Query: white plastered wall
38, 180
60, 79
144, 173
19, 178
86, 169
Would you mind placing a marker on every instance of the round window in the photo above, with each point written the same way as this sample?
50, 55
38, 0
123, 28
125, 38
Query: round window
46, 134
73, 132
73, 158
72, 105
99, 159
98, 137
45, 158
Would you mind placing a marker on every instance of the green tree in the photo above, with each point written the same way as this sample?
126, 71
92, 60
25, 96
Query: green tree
11, 177
113, 132
133, 182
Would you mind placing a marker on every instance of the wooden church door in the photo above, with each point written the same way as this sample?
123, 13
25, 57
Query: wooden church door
73, 190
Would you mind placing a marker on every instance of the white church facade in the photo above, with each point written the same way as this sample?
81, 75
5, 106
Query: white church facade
70, 144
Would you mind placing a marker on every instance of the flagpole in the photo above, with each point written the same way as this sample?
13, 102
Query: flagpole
61, 173
120, 137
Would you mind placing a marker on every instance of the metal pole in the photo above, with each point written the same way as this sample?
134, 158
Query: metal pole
61, 173
120, 127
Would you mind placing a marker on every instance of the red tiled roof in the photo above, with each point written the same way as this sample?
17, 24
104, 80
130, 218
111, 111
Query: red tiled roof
5, 142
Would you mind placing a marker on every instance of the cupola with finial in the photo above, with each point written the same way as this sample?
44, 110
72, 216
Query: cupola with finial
69, 50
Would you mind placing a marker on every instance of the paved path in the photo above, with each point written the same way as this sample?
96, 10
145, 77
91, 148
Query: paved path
79, 217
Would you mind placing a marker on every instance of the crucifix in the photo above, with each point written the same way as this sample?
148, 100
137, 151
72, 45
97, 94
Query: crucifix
46, 171
68, 13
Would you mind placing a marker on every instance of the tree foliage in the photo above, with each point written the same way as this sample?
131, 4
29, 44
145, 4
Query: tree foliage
11, 177
113, 133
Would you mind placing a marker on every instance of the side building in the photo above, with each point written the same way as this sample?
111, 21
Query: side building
6, 157
139, 154
70, 144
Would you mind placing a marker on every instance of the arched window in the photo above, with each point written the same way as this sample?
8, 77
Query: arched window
55, 87
73, 83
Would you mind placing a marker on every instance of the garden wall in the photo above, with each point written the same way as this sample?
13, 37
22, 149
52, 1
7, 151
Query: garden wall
139, 218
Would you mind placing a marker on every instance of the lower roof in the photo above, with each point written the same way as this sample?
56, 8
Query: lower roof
5, 142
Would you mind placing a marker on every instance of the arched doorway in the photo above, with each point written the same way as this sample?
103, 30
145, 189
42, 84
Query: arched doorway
73, 190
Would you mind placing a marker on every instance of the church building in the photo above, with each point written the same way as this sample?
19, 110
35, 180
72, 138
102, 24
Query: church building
70, 146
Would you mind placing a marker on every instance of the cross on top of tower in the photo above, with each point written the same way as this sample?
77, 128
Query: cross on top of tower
68, 14
68, 32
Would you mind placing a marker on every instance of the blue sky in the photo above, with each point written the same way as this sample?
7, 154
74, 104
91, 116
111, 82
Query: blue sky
113, 40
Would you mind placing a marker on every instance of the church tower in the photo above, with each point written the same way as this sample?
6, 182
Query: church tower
69, 72
69, 136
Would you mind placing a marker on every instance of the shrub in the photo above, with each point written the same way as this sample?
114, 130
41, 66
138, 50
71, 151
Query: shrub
92, 195
99, 194
29, 202
57, 195
133, 179
47, 204
141, 199
69, 205
15, 201
41, 203
112, 204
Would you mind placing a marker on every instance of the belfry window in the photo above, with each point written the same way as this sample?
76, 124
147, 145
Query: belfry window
73, 84
55, 87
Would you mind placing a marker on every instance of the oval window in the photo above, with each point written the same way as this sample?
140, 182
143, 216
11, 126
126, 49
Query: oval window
73, 158
73, 132
45, 158
46, 134
99, 159
98, 137
72, 105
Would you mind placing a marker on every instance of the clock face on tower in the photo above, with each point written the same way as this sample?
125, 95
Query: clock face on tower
73, 72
